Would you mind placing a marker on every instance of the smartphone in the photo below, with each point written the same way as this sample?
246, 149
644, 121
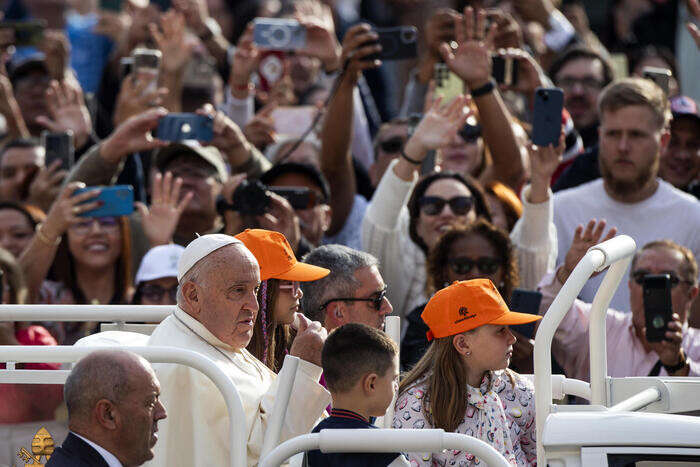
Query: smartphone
505, 70
59, 146
300, 197
278, 34
146, 65
656, 293
271, 69
398, 43
546, 120
526, 301
27, 33
126, 66
111, 5
620, 65
661, 76
117, 200
293, 120
447, 84
183, 126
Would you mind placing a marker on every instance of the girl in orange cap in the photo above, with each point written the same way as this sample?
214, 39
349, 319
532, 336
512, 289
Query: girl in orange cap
462, 383
279, 293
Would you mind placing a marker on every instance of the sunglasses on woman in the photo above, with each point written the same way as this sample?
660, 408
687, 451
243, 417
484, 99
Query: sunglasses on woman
433, 205
392, 145
463, 265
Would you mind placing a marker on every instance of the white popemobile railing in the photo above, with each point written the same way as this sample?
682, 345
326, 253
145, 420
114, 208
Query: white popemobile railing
383, 440
113, 313
615, 253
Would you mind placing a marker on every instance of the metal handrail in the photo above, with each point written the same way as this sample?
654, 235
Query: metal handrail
384, 440
138, 313
66, 354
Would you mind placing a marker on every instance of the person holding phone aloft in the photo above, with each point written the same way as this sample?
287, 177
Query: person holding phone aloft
629, 351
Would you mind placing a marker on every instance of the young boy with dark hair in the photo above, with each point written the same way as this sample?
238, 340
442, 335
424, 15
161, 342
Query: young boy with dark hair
361, 368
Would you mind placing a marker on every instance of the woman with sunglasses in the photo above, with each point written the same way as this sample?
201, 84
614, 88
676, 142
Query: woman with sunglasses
279, 293
462, 383
400, 230
156, 279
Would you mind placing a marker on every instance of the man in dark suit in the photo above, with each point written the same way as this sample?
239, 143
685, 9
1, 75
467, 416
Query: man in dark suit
113, 412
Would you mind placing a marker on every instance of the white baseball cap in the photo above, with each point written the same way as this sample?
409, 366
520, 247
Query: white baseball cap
201, 247
160, 261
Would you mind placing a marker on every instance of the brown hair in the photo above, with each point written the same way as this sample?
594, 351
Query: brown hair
512, 205
279, 336
636, 91
689, 267
353, 351
436, 264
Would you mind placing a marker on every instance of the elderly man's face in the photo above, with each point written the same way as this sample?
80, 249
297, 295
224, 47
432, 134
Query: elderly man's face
227, 295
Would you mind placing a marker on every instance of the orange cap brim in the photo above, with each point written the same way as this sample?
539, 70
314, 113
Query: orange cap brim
302, 272
512, 317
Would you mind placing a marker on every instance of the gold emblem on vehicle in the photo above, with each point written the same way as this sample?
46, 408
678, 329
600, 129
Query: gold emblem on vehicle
42, 446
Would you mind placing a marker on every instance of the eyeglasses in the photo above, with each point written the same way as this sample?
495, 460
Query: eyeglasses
588, 83
639, 275
392, 145
433, 205
155, 293
108, 224
463, 265
191, 171
376, 302
291, 287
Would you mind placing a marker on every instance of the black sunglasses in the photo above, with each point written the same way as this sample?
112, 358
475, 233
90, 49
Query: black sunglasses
470, 133
155, 293
463, 265
639, 275
375, 301
392, 145
433, 205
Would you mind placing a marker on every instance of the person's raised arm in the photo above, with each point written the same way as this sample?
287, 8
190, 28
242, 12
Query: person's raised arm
205, 27
694, 8
36, 260
177, 51
336, 135
471, 61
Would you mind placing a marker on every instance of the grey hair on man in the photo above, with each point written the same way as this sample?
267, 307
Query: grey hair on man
343, 262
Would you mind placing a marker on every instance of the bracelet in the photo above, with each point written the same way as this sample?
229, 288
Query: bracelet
412, 161
43, 238
678, 366
483, 90
250, 87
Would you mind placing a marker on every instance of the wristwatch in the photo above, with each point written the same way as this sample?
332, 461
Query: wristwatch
682, 362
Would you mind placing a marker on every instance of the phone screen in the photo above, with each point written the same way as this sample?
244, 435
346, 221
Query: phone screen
656, 291
59, 146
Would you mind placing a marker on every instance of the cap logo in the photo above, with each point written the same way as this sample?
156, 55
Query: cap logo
464, 313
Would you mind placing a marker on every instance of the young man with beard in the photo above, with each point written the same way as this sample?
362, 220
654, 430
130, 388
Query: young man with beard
634, 120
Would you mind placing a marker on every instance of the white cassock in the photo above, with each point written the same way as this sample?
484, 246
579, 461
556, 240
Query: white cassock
196, 431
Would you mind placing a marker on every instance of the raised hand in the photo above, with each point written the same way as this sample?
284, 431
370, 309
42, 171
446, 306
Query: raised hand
46, 185
280, 217
356, 49
530, 74
56, 48
228, 137
669, 349
16, 126
245, 62
134, 135
471, 61
134, 98
508, 31
172, 41
114, 25
439, 125
308, 343
67, 111
195, 12
260, 130
544, 160
161, 217
66, 210
321, 41
583, 240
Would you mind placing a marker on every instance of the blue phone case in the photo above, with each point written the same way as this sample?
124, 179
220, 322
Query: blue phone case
546, 120
116, 201
278, 34
185, 126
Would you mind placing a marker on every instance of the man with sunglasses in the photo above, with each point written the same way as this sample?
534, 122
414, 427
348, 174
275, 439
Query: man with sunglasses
354, 291
629, 351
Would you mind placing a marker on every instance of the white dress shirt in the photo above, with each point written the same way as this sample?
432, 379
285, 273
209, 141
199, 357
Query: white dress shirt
110, 458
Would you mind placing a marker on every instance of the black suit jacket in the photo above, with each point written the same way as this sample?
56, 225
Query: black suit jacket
76, 453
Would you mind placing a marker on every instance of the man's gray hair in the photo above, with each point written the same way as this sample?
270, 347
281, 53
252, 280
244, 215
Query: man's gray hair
343, 262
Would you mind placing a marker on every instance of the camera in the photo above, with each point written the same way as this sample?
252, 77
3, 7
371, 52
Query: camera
278, 34
252, 198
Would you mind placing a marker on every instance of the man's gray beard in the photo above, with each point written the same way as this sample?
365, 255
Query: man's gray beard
624, 188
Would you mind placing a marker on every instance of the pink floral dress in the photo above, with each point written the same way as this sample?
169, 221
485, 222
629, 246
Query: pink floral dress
498, 412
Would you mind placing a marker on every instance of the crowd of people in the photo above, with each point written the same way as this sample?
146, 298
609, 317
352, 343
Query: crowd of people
332, 185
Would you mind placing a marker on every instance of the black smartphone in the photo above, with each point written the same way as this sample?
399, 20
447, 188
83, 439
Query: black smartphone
398, 43
525, 301
300, 197
59, 146
27, 33
111, 5
546, 120
505, 70
184, 126
661, 76
656, 292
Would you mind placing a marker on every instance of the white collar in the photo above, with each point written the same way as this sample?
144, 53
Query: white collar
110, 458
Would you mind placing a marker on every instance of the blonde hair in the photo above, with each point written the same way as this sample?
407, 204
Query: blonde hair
636, 91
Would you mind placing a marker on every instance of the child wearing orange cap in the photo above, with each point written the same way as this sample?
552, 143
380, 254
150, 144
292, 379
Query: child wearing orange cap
279, 293
462, 383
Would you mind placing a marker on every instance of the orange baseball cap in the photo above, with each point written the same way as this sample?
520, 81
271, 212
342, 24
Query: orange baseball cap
276, 258
466, 305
